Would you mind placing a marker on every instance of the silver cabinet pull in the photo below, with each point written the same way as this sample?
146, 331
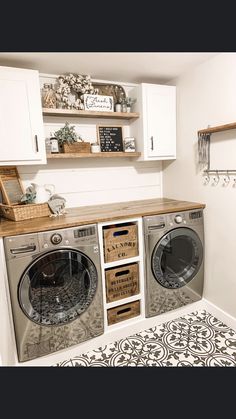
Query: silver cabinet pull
152, 148
36, 143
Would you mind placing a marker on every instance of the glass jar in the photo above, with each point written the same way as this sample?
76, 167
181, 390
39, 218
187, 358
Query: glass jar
95, 148
54, 145
48, 96
48, 146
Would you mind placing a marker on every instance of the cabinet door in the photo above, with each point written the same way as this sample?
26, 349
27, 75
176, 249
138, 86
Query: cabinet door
160, 120
21, 122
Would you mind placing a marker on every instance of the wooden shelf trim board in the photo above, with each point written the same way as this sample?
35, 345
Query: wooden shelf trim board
92, 155
89, 114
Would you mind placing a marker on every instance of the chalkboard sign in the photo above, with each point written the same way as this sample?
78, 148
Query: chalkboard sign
110, 138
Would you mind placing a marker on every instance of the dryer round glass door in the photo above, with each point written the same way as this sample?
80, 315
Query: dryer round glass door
57, 287
177, 258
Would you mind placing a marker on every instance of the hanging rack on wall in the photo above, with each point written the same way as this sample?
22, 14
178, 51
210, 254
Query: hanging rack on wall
204, 136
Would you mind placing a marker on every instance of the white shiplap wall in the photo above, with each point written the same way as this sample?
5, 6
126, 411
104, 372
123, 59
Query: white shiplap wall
94, 181
91, 182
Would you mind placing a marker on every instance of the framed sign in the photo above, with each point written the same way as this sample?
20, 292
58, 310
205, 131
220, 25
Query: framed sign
10, 185
110, 138
129, 144
98, 103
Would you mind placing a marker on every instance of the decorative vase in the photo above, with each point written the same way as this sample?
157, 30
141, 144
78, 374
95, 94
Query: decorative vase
118, 107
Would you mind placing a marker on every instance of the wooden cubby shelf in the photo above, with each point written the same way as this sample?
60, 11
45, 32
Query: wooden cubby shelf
89, 114
92, 155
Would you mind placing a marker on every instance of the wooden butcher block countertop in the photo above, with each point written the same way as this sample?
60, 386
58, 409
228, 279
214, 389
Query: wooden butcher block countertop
96, 213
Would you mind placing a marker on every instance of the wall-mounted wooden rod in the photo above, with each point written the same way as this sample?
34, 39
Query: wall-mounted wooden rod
219, 128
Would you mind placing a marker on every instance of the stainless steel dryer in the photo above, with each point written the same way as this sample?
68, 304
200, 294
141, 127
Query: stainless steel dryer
174, 260
55, 288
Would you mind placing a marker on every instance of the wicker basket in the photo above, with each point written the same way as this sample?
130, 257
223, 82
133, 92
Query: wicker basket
78, 147
25, 211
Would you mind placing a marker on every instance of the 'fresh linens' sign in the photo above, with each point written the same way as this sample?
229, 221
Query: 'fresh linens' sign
98, 103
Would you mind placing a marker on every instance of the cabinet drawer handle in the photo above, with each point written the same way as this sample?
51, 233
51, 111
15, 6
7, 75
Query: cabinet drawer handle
152, 148
36, 143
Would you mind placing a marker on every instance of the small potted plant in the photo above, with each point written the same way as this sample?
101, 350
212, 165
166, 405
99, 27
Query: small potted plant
69, 141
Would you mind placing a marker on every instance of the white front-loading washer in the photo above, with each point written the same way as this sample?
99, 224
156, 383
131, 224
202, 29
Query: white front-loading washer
174, 255
55, 288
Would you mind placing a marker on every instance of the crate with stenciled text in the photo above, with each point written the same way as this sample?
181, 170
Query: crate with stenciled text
122, 282
120, 241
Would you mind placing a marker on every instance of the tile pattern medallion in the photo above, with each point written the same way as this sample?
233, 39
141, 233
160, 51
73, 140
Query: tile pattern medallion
196, 339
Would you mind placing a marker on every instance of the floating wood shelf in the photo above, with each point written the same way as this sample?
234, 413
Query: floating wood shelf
89, 114
92, 155
218, 128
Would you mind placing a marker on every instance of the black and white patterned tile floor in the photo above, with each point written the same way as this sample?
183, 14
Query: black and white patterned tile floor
196, 339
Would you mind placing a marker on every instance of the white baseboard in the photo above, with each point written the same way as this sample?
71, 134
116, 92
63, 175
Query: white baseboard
219, 313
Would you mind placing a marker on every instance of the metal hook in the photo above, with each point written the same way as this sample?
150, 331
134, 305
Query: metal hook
234, 181
215, 179
207, 179
226, 179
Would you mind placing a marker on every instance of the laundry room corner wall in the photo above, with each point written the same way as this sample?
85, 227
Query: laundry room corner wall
207, 96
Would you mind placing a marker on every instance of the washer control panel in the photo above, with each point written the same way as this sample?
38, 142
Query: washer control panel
72, 237
21, 246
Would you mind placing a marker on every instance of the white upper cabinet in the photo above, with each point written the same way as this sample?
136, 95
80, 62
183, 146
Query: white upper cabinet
21, 122
155, 130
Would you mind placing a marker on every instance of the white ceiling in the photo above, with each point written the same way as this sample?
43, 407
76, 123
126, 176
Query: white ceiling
150, 67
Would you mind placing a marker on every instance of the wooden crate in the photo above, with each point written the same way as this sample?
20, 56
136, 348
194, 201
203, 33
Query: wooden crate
122, 282
78, 147
24, 211
123, 312
120, 242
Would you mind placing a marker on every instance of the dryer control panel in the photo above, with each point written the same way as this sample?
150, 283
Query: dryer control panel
161, 223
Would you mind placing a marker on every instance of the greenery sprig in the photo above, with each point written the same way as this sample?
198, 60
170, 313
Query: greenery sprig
67, 135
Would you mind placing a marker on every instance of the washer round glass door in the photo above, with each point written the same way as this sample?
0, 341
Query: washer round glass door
57, 287
177, 258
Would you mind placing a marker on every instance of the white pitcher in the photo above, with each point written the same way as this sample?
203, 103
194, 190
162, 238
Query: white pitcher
43, 192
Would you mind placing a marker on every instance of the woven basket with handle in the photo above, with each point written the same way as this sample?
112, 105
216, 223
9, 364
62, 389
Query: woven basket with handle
25, 211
